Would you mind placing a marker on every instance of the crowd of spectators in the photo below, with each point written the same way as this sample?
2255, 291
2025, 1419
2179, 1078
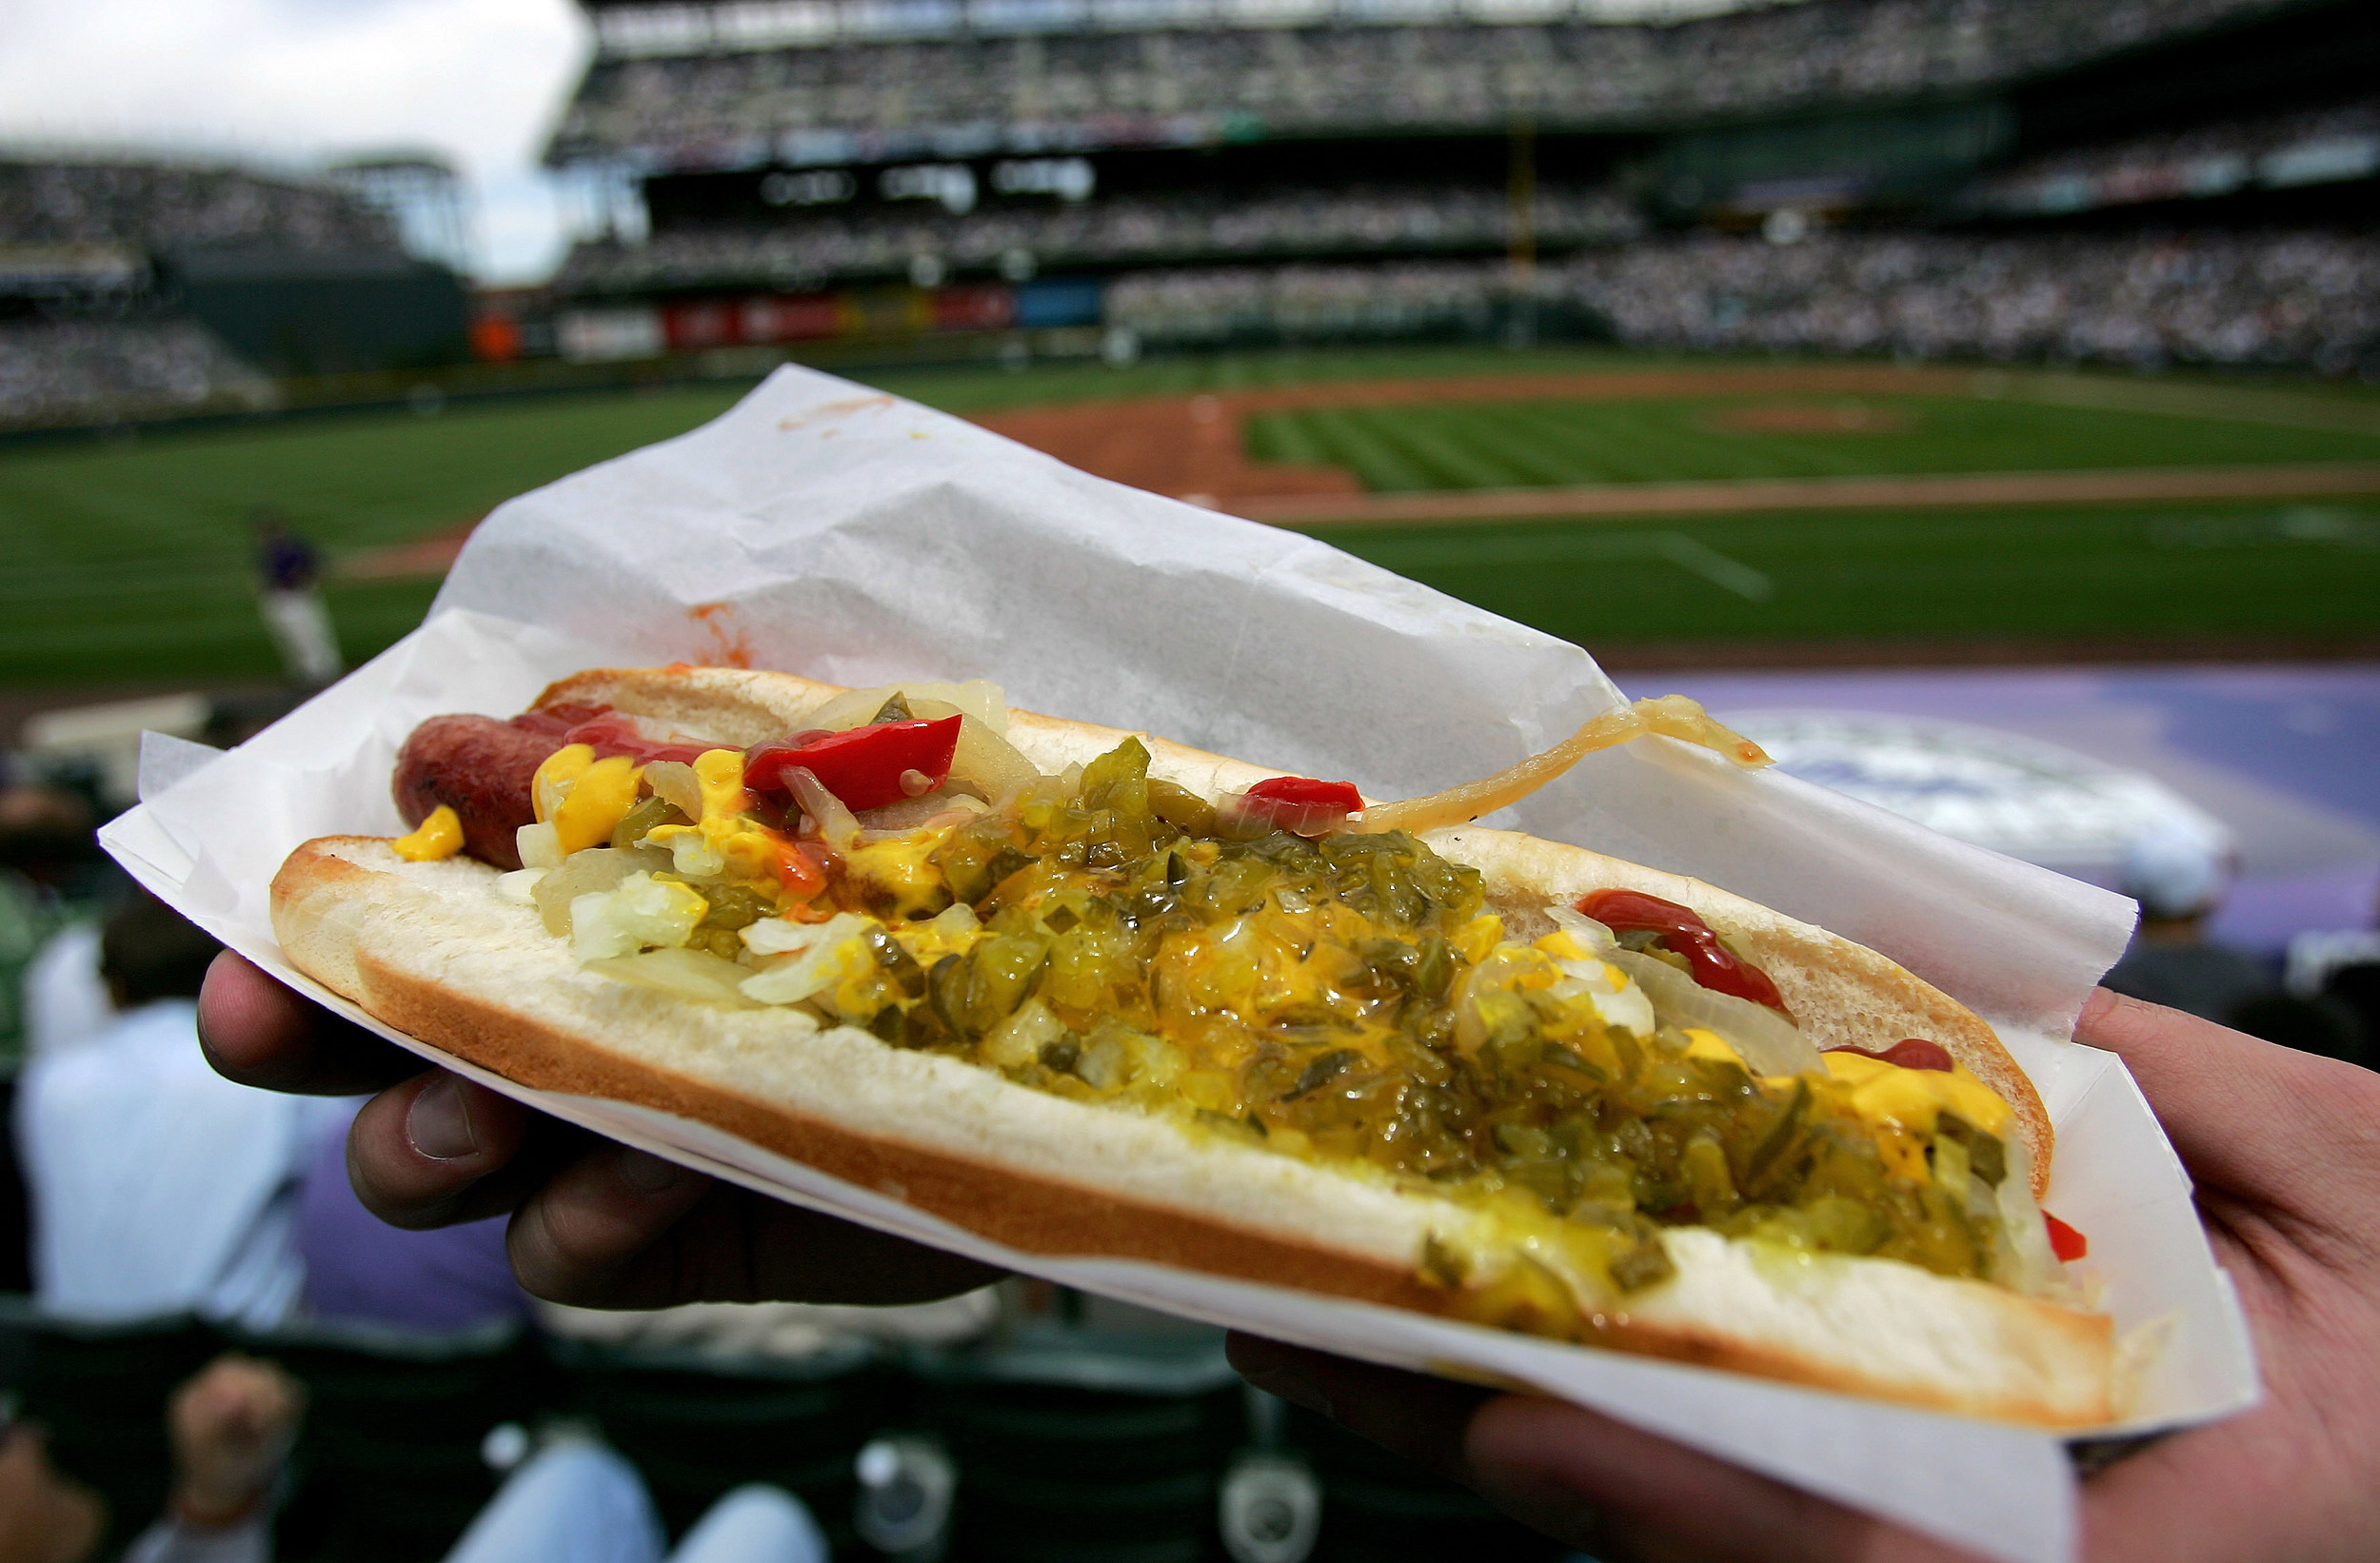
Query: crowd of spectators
2278, 151
170, 205
1166, 85
811, 251
2300, 298
74, 371
1236, 303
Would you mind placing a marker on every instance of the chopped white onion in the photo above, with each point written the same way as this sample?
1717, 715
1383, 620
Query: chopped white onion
1767, 1042
641, 911
585, 873
838, 952
540, 845
1244, 818
520, 886
696, 855
976, 698
783, 935
674, 782
687, 974
836, 827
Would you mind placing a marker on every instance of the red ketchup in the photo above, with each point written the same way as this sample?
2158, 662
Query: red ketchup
608, 733
2067, 1244
1913, 1053
1712, 965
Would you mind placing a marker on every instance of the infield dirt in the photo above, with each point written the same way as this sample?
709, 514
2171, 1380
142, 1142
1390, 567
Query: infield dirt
1193, 449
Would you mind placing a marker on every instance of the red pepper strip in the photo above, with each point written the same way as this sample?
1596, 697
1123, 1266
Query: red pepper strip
1304, 790
1912, 1052
797, 870
613, 734
2067, 1244
863, 767
1712, 964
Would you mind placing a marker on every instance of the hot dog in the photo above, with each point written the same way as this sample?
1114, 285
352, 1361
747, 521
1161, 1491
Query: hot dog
1085, 991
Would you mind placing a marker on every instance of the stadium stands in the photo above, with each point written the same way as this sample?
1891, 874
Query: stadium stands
125, 285
169, 206
2306, 298
857, 88
2281, 152
1127, 230
56, 371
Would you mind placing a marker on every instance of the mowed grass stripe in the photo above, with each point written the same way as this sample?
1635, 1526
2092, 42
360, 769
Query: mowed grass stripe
1552, 443
2020, 572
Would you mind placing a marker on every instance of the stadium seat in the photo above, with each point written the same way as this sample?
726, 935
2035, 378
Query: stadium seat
387, 1465
1378, 1507
1076, 1445
101, 1391
697, 1425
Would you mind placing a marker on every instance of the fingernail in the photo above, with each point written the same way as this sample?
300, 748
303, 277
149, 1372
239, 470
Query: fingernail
648, 1174
1295, 1388
439, 1122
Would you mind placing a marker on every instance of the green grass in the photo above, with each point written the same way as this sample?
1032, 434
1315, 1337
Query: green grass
1501, 445
1937, 574
130, 555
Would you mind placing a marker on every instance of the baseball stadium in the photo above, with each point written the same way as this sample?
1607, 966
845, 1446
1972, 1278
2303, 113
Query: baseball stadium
1975, 402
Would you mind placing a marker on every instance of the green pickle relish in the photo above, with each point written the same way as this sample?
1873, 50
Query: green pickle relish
1354, 999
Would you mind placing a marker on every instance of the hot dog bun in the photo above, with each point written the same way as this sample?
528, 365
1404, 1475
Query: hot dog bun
429, 948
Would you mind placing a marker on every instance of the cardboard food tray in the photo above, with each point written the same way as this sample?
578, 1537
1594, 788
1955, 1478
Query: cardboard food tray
859, 539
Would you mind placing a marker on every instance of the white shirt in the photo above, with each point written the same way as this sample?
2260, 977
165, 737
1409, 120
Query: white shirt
157, 1186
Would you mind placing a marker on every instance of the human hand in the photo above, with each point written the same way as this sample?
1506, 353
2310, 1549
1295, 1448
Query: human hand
594, 1223
2284, 1151
231, 1426
45, 1517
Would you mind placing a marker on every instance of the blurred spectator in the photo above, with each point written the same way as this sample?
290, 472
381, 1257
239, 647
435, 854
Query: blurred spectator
69, 371
2341, 969
42, 832
231, 1428
359, 1270
289, 573
809, 249
2303, 298
157, 1186
2178, 877
576, 1501
44, 1517
182, 206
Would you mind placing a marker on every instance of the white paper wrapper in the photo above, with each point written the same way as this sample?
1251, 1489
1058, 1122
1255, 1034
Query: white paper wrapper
859, 539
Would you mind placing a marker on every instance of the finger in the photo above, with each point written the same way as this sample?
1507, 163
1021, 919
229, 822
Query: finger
2264, 1122
1408, 1413
1601, 1485
623, 1229
439, 1149
258, 1033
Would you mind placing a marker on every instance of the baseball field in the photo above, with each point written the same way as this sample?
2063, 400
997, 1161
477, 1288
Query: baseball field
1654, 510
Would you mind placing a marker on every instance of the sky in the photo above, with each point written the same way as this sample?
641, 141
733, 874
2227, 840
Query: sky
303, 80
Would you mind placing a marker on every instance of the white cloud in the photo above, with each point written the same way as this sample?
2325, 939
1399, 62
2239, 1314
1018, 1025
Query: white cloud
480, 81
